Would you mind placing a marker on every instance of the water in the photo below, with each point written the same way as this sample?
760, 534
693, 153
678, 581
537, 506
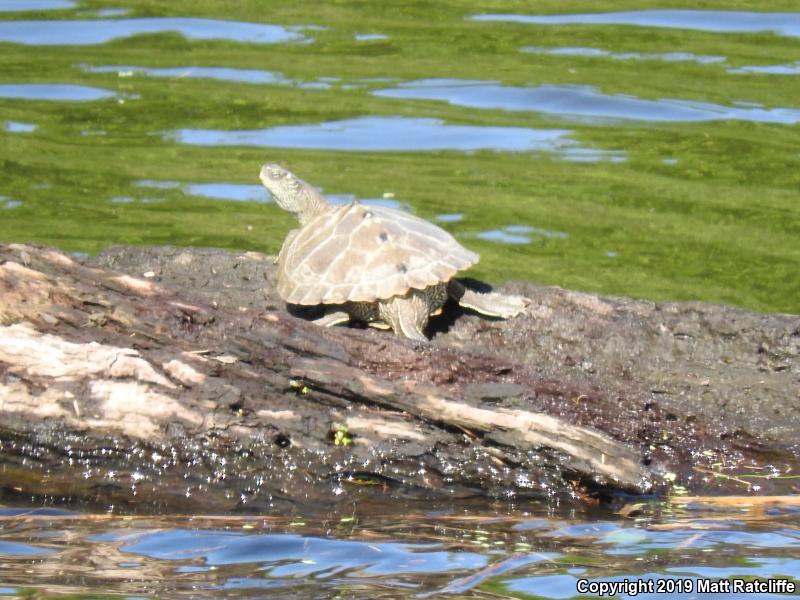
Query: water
572, 134
370, 37
521, 234
252, 76
8, 203
54, 92
398, 134
483, 549
31, 5
237, 192
88, 32
582, 101
605, 156
14, 127
790, 69
782, 23
599, 52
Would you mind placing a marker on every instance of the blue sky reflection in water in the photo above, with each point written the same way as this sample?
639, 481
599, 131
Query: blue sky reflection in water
782, 23
17, 127
703, 59
581, 101
289, 555
514, 553
90, 32
401, 134
54, 92
250, 76
34, 5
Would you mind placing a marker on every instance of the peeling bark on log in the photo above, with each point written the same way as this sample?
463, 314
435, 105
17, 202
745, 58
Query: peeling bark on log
176, 376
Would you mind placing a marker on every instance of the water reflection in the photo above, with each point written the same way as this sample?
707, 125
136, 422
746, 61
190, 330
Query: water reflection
34, 5
54, 92
397, 134
370, 37
703, 59
237, 192
581, 101
245, 192
221, 73
16, 549
426, 554
450, 217
290, 555
385, 202
8, 203
253, 76
790, 69
89, 32
16, 127
520, 234
786, 23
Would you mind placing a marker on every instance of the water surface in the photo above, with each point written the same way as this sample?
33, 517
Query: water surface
702, 59
782, 23
88, 32
582, 101
514, 551
35, 5
399, 134
54, 92
633, 140
16, 127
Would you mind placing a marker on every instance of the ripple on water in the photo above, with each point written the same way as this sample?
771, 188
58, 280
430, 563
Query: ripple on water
395, 134
583, 102
89, 32
35, 5
54, 92
703, 59
286, 555
786, 23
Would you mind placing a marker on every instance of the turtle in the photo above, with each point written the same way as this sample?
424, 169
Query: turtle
379, 265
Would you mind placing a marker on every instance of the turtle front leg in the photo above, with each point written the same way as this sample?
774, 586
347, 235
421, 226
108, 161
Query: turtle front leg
491, 304
406, 315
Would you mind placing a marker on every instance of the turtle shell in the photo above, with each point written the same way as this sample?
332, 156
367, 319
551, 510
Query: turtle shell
356, 253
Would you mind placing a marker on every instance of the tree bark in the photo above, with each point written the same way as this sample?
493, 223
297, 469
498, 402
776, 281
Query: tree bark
176, 376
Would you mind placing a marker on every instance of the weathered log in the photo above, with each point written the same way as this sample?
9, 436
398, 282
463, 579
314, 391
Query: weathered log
176, 375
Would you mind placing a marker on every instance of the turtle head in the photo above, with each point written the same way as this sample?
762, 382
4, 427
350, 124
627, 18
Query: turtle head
292, 193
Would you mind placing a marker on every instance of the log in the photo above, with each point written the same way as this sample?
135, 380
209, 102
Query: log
175, 378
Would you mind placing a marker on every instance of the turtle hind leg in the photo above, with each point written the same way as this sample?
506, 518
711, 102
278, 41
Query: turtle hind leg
406, 315
490, 304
